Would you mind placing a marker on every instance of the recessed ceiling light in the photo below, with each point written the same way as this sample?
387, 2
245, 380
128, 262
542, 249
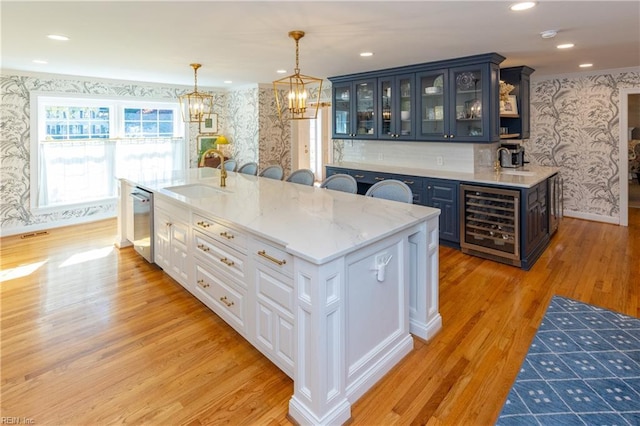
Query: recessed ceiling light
585, 65
228, 82
565, 46
365, 54
40, 61
58, 37
524, 5
548, 34
281, 71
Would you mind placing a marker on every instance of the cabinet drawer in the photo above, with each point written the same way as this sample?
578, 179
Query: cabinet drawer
412, 182
272, 256
363, 177
220, 232
225, 298
221, 257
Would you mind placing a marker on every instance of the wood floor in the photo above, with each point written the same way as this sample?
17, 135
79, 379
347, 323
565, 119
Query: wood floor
92, 335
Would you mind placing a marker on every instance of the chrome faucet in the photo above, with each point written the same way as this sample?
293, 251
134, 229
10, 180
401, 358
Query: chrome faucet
497, 165
223, 171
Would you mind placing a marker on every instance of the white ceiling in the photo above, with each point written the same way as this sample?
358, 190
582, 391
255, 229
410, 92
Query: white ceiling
246, 41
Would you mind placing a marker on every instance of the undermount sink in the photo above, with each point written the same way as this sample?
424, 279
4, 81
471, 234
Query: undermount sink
197, 190
517, 172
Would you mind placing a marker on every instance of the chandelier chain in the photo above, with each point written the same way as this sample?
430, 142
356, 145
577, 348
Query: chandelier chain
297, 69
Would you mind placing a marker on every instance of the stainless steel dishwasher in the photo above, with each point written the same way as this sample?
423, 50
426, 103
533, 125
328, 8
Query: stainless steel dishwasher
143, 223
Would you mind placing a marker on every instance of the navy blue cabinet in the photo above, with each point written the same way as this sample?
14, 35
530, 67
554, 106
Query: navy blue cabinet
433, 101
460, 104
354, 109
443, 194
517, 125
535, 224
396, 106
452, 100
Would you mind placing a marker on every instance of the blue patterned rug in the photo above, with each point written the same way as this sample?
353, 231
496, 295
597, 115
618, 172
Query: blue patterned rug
583, 368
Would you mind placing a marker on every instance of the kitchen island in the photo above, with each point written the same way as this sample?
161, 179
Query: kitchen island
329, 286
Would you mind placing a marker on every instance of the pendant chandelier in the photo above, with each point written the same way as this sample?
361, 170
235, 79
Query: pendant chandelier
298, 94
196, 106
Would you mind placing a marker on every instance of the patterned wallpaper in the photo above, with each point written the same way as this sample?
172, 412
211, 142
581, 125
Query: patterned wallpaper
574, 125
275, 134
241, 127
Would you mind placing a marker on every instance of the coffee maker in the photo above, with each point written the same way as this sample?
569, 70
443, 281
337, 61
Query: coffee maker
514, 158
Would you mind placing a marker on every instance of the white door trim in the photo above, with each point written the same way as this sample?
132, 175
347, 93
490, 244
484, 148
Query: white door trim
623, 153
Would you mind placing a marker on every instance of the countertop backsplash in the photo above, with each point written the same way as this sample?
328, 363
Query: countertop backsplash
462, 157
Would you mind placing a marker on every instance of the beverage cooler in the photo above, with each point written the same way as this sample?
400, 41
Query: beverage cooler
490, 223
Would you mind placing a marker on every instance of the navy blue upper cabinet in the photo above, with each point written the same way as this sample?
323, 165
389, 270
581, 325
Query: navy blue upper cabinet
460, 104
517, 125
452, 100
354, 109
433, 121
396, 106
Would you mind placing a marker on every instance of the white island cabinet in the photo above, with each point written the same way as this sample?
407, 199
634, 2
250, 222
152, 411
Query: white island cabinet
329, 286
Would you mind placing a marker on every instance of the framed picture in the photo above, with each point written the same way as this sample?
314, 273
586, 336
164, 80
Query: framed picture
205, 142
509, 107
209, 125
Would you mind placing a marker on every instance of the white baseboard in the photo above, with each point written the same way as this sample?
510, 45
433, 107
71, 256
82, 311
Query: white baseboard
57, 224
591, 216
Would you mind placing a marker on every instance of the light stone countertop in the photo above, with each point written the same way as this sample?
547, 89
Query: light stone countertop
315, 224
533, 174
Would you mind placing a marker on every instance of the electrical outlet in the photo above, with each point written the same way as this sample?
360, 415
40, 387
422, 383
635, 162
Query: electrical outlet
380, 156
440, 160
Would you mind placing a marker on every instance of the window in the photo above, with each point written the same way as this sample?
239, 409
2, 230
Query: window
148, 122
72, 122
82, 145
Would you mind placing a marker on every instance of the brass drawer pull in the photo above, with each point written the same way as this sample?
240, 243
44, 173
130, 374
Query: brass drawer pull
203, 247
378, 178
227, 261
226, 301
227, 235
202, 284
203, 224
264, 254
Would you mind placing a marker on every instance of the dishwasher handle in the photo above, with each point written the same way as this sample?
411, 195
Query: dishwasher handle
140, 197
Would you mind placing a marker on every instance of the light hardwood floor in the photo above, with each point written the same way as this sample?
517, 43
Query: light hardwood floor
92, 335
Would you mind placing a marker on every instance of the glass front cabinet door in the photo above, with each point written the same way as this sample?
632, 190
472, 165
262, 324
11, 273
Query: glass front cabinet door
342, 114
433, 105
459, 104
354, 110
467, 88
396, 107
474, 108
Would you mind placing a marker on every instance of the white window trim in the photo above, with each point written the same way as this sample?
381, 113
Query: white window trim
37, 127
